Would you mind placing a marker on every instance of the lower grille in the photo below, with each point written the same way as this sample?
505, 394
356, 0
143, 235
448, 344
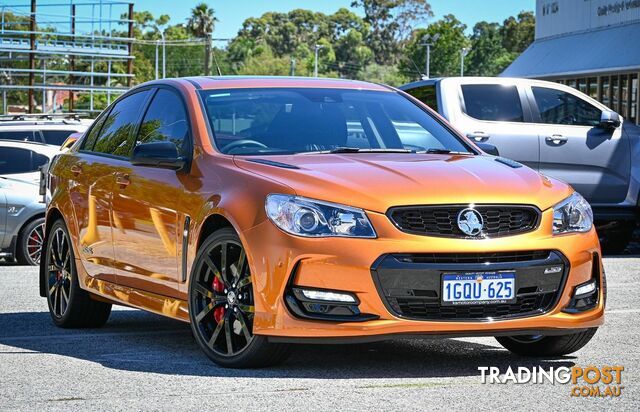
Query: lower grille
410, 285
429, 309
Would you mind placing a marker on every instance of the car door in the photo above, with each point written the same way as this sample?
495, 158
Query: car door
574, 148
147, 220
92, 173
499, 114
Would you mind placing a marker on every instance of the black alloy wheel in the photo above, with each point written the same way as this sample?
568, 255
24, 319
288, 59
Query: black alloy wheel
59, 272
221, 305
70, 306
31, 242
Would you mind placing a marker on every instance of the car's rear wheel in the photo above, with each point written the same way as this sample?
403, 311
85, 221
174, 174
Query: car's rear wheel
30, 242
544, 346
614, 241
70, 306
221, 306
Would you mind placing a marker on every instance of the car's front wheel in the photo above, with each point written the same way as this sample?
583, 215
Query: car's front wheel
545, 346
70, 306
221, 306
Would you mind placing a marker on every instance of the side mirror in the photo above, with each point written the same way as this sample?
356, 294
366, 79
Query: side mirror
488, 148
158, 154
609, 119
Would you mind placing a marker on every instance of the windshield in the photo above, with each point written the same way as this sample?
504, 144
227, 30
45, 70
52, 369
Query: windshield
286, 121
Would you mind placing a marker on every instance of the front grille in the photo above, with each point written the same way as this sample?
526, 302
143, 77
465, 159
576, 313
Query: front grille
499, 220
430, 309
410, 284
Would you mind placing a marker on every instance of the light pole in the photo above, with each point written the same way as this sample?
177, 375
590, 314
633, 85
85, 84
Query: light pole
428, 41
463, 52
164, 52
315, 66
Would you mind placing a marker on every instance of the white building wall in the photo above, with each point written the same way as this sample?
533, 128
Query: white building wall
558, 17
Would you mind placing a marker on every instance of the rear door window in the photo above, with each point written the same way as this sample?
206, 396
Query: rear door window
19, 135
16, 160
56, 137
559, 107
427, 95
494, 102
115, 135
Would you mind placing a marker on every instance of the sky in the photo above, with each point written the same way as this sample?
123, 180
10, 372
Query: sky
232, 13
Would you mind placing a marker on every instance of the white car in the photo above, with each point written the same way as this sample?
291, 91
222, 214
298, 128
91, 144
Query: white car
49, 129
22, 160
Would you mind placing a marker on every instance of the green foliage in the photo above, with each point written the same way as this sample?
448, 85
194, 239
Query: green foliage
445, 52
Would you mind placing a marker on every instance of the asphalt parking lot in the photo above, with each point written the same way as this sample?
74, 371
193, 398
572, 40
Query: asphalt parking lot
145, 362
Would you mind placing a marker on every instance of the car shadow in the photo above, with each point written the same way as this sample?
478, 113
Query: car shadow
138, 341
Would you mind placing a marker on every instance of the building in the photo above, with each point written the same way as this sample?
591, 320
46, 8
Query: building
592, 45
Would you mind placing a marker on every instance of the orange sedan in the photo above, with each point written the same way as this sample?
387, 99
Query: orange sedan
270, 211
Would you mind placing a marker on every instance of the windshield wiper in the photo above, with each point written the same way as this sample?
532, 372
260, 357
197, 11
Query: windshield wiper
443, 151
346, 149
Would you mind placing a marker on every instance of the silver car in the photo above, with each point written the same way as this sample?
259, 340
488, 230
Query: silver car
556, 130
21, 221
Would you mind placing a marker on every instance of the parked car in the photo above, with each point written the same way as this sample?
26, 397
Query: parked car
22, 160
556, 130
51, 129
258, 210
21, 221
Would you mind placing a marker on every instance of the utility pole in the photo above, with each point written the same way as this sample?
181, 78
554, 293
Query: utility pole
293, 66
316, 48
207, 54
32, 56
157, 45
463, 52
129, 48
428, 41
72, 60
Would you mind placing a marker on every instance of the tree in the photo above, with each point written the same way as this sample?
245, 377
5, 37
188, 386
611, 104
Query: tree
390, 20
487, 56
202, 21
445, 53
518, 34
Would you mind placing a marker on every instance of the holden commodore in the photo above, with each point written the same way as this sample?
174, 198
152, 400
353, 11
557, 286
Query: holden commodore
272, 211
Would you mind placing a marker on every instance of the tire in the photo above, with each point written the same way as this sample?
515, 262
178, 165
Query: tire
70, 306
546, 346
221, 307
30, 242
615, 241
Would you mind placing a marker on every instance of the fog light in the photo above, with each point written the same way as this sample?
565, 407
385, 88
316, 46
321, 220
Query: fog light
585, 288
328, 296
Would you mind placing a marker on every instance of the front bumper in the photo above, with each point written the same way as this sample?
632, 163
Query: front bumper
279, 261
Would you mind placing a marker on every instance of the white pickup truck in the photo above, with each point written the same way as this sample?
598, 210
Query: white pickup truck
554, 129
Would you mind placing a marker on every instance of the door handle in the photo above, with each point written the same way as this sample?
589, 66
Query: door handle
122, 180
76, 170
478, 136
556, 139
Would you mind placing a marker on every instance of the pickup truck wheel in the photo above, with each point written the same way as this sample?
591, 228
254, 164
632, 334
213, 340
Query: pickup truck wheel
615, 241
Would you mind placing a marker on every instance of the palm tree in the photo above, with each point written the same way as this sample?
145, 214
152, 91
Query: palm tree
202, 21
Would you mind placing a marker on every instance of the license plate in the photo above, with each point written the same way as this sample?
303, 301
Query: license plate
478, 288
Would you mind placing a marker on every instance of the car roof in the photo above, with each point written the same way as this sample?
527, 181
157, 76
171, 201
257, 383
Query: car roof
249, 82
41, 148
45, 125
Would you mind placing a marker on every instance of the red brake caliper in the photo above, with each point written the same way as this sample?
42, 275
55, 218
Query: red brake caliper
218, 286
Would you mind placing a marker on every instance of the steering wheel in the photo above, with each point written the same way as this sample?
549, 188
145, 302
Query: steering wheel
243, 142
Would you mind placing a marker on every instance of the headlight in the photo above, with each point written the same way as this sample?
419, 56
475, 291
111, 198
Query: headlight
572, 215
313, 218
